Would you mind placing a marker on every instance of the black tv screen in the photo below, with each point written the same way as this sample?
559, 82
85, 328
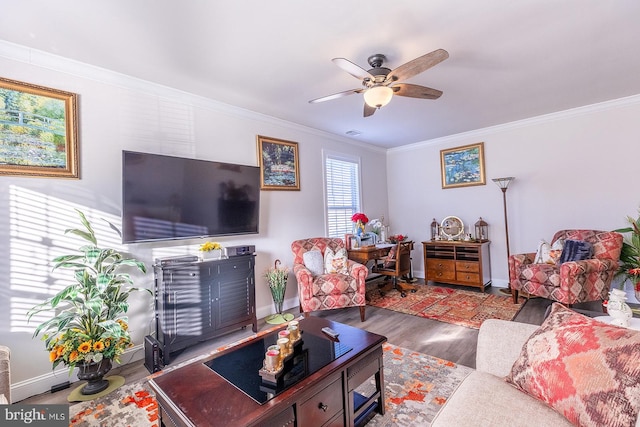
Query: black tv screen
166, 197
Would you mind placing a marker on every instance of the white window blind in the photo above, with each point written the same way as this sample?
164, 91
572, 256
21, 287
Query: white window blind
343, 194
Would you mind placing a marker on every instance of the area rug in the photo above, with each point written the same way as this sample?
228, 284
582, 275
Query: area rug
457, 306
132, 405
416, 387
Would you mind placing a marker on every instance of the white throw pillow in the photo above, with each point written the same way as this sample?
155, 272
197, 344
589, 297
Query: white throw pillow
314, 262
548, 254
336, 262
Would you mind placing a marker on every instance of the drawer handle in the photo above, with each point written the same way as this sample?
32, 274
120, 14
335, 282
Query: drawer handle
439, 273
440, 265
323, 407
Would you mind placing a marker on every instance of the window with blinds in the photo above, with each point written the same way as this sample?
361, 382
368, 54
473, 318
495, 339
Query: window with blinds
342, 178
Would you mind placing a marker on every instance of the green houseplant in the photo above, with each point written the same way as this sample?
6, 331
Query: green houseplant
90, 327
277, 279
630, 255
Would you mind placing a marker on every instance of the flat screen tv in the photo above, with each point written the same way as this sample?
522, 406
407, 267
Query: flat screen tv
166, 197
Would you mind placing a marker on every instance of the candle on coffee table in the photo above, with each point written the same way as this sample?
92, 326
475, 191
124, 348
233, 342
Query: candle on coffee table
272, 360
283, 343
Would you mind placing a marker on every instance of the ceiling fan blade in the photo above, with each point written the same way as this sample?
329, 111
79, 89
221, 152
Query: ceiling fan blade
418, 65
353, 69
336, 95
368, 110
415, 91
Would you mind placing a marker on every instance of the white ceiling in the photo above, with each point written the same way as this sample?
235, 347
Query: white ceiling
509, 60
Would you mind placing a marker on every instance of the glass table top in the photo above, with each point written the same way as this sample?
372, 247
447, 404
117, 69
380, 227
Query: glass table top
241, 367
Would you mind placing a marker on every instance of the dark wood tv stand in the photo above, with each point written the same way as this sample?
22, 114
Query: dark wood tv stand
196, 301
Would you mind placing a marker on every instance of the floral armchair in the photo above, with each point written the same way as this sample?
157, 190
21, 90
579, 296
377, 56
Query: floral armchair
328, 291
570, 282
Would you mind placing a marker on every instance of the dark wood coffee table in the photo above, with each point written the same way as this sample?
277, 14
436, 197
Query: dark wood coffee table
196, 395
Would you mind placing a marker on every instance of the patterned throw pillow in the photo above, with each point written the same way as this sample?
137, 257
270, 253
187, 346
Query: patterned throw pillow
586, 370
548, 254
314, 262
390, 259
575, 250
336, 262
606, 244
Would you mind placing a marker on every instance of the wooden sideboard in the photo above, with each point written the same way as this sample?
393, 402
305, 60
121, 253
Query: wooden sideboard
458, 263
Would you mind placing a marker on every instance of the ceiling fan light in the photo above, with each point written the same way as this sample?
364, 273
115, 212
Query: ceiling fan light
378, 96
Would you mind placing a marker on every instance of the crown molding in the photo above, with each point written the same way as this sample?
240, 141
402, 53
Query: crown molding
545, 118
61, 64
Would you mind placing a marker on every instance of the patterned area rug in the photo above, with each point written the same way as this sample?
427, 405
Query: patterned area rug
416, 387
457, 306
132, 405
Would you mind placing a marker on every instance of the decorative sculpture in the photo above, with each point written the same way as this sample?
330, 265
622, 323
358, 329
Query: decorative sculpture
618, 309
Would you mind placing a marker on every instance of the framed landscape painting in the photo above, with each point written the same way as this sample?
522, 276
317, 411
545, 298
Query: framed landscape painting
38, 131
278, 164
462, 166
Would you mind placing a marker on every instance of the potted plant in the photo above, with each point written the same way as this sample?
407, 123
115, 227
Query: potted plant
360, 220
211, 250
277, 279
89, 329
630, 255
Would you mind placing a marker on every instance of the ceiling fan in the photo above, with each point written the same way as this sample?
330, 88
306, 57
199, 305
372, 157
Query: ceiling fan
379, 84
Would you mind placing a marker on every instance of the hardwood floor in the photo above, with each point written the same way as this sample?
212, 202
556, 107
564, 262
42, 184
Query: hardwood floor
443, 340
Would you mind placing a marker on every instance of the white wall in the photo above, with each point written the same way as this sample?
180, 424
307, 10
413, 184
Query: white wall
573, 169
118, 113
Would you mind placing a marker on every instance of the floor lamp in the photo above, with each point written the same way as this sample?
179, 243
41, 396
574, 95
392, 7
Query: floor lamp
503, 183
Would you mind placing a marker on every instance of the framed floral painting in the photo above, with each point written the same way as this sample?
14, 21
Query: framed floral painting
38, 131
462, 166
278, 164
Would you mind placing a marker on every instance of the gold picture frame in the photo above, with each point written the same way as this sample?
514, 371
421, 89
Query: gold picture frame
463, 166
38, 131
278, 161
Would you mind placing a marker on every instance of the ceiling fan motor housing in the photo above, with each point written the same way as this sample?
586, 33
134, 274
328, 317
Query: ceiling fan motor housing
378, 71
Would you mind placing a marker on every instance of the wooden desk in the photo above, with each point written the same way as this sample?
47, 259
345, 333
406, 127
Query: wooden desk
370, 253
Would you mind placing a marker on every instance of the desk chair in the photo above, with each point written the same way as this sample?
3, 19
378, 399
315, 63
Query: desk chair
396, 265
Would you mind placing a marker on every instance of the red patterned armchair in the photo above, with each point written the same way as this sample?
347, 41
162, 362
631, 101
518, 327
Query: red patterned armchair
328, 291
573, 281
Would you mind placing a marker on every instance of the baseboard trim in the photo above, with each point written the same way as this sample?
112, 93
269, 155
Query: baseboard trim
42, 384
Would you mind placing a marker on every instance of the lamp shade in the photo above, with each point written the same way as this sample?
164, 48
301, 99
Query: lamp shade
503, 182
378, 96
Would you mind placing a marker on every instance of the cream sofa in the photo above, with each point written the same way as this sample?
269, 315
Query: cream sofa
484, 398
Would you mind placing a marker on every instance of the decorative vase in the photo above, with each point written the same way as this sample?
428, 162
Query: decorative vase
359, 228
278, 306
277, 292
636, 289
212, 254
93, 373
